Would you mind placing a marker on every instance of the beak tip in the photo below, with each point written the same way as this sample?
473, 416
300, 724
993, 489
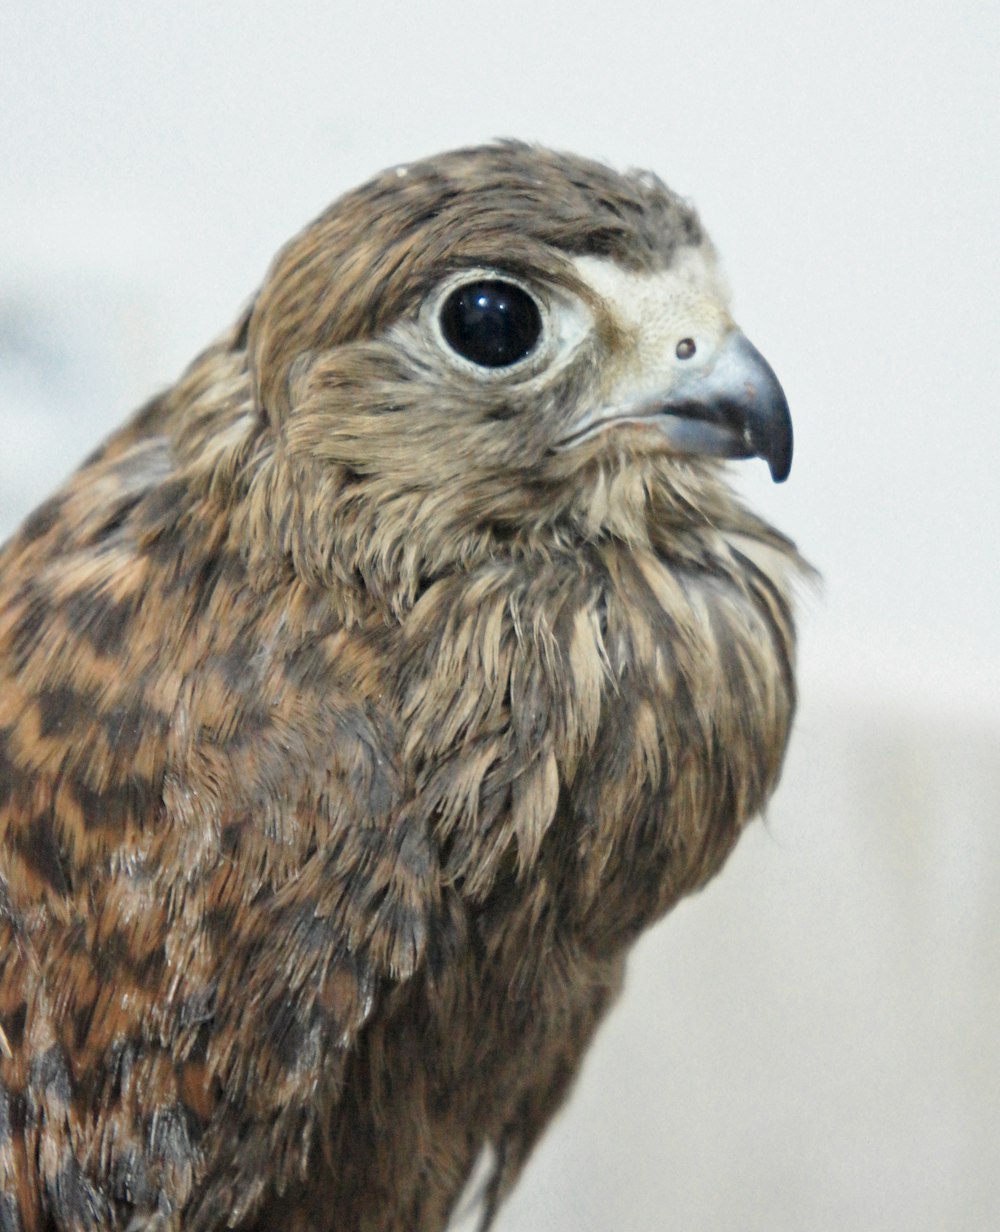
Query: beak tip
780, 439
780, 466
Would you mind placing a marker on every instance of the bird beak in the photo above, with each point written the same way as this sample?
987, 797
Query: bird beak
735, 408
732, 408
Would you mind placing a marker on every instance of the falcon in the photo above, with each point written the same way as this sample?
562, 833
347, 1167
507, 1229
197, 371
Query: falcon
366, 696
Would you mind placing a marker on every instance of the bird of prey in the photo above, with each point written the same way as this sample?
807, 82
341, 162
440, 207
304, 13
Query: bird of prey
367, 694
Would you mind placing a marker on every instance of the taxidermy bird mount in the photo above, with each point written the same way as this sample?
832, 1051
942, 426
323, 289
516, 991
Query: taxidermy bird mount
367, 694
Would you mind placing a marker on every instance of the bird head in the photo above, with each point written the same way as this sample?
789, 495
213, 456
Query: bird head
501, 343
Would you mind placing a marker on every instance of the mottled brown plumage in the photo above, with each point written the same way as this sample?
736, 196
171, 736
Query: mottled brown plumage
359, 707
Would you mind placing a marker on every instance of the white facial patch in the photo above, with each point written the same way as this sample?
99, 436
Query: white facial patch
656, 314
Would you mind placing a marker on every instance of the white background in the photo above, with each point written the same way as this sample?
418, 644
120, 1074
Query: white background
814, 1042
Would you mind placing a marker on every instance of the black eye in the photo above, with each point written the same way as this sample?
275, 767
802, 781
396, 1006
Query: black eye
493, 323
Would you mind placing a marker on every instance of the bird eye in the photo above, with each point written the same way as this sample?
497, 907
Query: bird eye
686, 348
491, 322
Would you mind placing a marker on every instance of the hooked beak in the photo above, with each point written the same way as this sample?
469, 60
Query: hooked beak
735, 408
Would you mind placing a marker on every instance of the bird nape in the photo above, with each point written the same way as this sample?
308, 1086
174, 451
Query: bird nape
367, 694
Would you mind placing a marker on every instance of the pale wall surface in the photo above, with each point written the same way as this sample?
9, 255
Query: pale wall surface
814, 1042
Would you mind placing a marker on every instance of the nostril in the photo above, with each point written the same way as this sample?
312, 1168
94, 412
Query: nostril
686, 348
